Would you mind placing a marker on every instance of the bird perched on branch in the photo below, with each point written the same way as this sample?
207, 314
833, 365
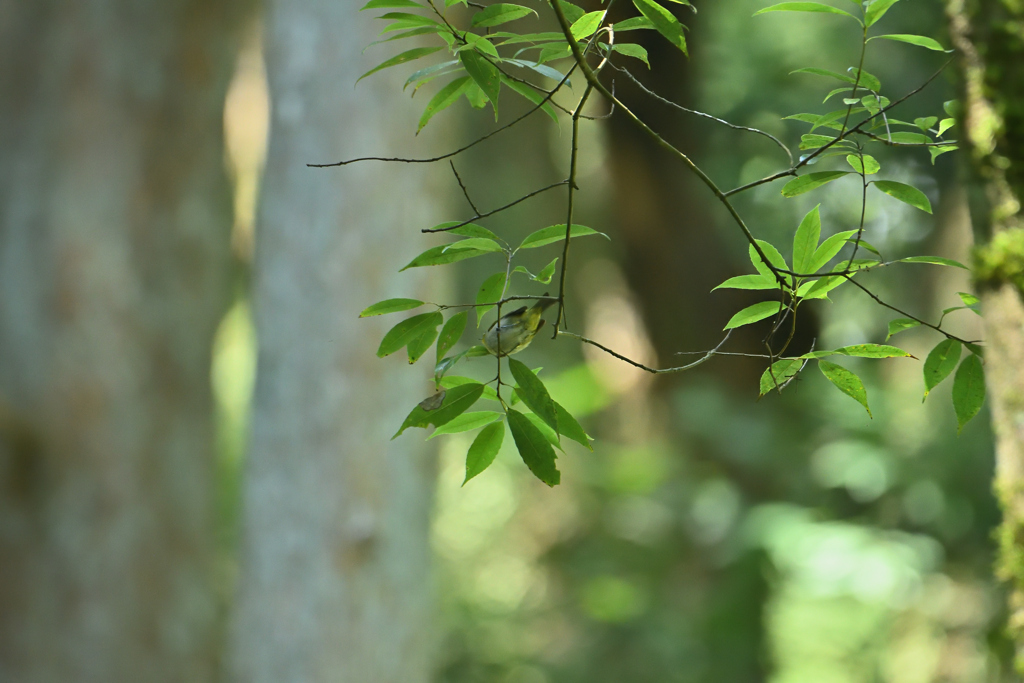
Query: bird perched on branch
516, 330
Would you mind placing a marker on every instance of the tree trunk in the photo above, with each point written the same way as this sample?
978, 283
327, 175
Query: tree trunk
115, 216
334, 579
990, 42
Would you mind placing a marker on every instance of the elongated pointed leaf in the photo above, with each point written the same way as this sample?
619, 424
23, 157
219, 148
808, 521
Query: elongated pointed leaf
484, 449
811, 181
489, 293
546, 273
531, 95
381, 4
825, 72
485, 74
445, 97
634, 24
750, 282
820, 288
533, 393
752, 314
390, 306
407, 56
587, 25
570, 428
500, 13
862, 351
968, 390
456, 401
664, 22
467, 422
899, 325
876, 10
451, 333
534, 449
556, 233
774, 258
633, 50
940, 363
905, 193
805, 7
829, 249
545, 429
418, 346
455, 381
805, 241
846, 381
470, 230
780, 372
408, 330
935, 261
441, 255
477, 243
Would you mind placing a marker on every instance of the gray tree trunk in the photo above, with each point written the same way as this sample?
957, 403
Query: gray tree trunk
334, 581
115, 216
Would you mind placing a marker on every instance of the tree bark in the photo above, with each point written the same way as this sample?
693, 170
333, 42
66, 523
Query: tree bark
990, 42
334, 579
115, 216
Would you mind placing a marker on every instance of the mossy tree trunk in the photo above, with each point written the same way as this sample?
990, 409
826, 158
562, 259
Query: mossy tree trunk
989, 37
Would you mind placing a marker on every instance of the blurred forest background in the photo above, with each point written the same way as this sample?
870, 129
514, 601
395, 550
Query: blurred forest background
196, 477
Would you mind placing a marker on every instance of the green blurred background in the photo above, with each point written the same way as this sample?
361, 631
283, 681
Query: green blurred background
710, 536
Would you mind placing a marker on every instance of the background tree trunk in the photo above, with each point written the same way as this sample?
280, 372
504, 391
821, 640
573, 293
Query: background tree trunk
335, 583
989, 38
115, 215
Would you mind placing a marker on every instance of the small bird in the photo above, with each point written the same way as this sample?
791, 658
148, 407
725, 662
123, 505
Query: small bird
516, 330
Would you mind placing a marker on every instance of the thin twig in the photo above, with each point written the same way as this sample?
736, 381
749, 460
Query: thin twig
499, 209
904, 313
654, 371
465, 192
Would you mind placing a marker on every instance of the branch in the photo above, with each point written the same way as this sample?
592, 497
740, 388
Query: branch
665, 371
499, 209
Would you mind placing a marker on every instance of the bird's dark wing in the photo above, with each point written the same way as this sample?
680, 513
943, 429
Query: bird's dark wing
514, 314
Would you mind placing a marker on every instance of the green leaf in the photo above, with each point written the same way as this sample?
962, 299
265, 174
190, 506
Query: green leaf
467, 422
404, 20
934, 260
572, 12
925, 122
390, 306
806, 241
809, 141
936, 152
500, 13
380, 4
780, 372
545, 275
477, 351
533, 393
633, 50
820, 288
456, 381
534, 449
774, 258
441, 255
868, 82
470, 230
876, 10
946, 124
968, 390
664, 22
418, 346
905, 193
805, 7
532, 95
862, 351
829, 249
451, 333
920, 41
907, 138
484, 449
456, 401
445, 97
476, 243
570, 428
752, 314
587, 25
428, 73
846, 381
899, 325
556, 233
544, 429
633, 24
749, 282
970, 301
484, 74
490, 292
940, 363
407, 56
869, 166
408, 330
824, 72
811, 181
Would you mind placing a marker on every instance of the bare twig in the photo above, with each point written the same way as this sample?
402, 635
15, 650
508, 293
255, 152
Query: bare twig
654, 371
465, 192
499, 209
